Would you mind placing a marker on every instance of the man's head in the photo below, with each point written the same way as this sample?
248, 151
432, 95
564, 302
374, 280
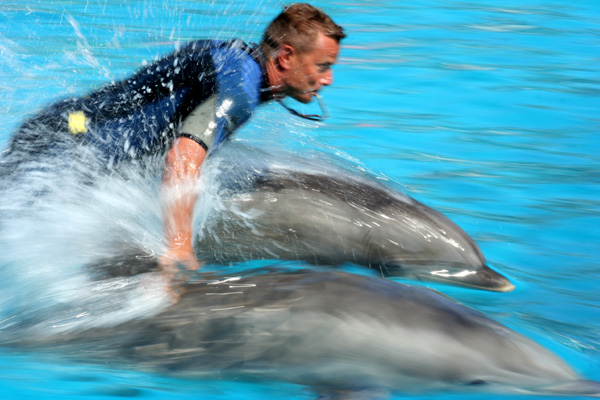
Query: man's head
300, 46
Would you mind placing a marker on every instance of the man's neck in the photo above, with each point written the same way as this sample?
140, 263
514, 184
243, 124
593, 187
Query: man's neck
273, 77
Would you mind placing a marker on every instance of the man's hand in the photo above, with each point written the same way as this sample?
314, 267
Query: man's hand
176, 258
182, 169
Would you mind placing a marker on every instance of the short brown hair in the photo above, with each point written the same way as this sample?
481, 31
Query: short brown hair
298, 26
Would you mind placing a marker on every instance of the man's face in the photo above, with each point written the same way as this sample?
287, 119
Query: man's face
309, 71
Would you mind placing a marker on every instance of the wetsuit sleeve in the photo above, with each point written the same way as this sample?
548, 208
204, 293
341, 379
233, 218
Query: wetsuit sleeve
239, 79
211, 122
201, 124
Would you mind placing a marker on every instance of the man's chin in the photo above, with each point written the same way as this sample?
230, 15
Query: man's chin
305, 97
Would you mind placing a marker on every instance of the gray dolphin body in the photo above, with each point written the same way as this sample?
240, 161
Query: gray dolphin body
327, 329
306, 210
337, 217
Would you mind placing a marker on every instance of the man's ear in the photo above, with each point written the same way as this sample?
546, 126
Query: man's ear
285, 54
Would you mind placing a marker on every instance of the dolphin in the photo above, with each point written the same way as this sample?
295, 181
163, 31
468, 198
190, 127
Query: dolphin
282, 207
322, 328
335, 217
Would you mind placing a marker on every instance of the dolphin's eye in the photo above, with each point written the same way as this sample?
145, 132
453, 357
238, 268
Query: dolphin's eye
477, 382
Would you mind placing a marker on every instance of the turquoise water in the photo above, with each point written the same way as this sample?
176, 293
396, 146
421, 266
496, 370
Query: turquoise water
487, 112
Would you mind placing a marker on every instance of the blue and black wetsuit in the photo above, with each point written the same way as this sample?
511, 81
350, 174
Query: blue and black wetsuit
203, 91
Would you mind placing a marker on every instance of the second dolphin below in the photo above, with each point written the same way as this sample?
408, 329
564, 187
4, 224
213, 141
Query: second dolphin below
330, 330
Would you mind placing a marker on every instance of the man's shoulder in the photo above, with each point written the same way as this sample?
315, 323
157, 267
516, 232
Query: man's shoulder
223, 52
235, 50
215, 45
234, 44
196, 46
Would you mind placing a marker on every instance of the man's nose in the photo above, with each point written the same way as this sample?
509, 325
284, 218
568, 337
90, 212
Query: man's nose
326, 79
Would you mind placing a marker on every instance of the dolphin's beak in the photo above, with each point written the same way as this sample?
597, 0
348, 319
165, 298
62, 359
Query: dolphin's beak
484, 278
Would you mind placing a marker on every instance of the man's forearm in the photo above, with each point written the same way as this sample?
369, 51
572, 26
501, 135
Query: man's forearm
182, 169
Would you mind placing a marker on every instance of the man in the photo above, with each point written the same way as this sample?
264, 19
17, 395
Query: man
189, 103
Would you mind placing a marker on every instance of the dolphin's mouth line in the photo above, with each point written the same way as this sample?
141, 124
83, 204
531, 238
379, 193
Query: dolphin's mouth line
450, 274
446, 273
431, 277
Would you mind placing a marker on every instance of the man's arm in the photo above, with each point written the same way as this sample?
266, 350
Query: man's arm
182, 169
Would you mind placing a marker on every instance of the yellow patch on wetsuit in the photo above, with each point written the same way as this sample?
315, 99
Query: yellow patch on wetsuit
77, 121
